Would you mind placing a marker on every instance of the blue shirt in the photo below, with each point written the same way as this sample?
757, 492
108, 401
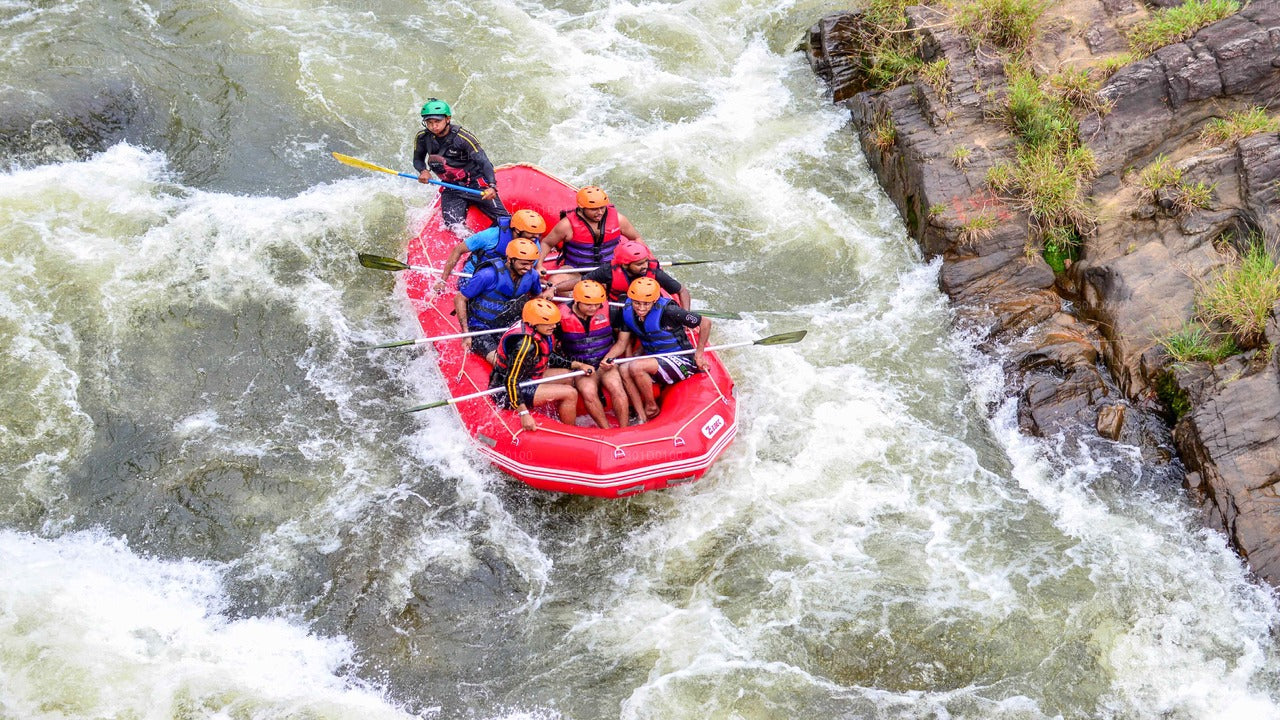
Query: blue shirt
481, 245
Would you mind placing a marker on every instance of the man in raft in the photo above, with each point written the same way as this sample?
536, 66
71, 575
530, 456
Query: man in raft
494, 294
659, 324
632, 260
588, 234
528, 352
492, 243
586, 335
455, 155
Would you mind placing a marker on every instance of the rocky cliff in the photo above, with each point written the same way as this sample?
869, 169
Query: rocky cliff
1082, 346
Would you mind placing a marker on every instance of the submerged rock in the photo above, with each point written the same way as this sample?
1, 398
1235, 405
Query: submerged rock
69, 119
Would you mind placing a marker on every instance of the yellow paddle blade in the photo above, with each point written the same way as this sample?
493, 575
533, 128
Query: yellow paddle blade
357, 162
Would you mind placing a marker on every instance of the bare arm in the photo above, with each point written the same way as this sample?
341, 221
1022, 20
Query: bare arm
460, 309
560, 232
619, 347
452, 261
628, 230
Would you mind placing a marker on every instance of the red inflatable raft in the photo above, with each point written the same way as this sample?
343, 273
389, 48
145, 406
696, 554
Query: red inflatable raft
698, 417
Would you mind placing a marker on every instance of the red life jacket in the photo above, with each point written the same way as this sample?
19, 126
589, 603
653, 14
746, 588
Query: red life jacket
619, 283
583, 248
544, 347
586, 343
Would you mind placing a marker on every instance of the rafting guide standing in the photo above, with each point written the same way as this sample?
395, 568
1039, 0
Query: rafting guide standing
454, 154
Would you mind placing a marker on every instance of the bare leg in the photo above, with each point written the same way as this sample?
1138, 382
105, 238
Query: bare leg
633, 394
590, 391
562, 393
613, 384
640, 373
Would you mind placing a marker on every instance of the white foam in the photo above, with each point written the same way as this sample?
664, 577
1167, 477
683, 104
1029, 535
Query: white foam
92, 630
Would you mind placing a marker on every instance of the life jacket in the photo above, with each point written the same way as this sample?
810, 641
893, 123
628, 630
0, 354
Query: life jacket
458, 148
586, 343
653, 337
480, 257
485, 310
544, 344
584, 248
619, 282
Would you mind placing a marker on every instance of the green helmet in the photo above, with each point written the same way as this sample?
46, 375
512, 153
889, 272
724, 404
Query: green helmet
436, 108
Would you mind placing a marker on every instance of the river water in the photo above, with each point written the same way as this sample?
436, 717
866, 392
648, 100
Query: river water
210, 508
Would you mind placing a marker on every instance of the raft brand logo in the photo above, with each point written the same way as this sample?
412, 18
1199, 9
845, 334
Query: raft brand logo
712, 427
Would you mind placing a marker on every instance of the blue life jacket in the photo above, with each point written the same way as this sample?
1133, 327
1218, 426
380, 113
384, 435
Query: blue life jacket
653, 337
488, 309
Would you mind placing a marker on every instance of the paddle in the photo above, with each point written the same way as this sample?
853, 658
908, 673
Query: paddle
490, 391
378, 262
708, 313
780, 339
357, 162
573, 270
437, 338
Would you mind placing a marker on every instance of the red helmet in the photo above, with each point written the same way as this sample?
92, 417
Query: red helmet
592, 197
528, 221
590, 292
523, 249
644, 289
629, 251
540, 311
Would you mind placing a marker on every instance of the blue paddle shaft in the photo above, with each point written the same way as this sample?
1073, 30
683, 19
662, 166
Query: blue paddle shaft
441, 183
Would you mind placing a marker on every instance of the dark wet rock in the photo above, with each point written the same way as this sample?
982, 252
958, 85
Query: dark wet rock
1095, 370
1110, 421
69, 119
1232, 439
834, 51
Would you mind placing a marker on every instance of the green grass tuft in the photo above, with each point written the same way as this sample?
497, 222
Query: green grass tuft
1175, 24
937, 76
1242, 296
1239, 125
1192, 196
1158, 175
978, 227
890, 55
1038, 117
884, 134
1194, 343
1006, 24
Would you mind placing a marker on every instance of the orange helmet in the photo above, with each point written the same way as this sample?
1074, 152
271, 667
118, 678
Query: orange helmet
528, 221
523, 249
541, 311
644, 289
590, 292
592, 197
629, 251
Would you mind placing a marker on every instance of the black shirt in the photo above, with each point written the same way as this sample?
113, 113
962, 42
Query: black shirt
460, 149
